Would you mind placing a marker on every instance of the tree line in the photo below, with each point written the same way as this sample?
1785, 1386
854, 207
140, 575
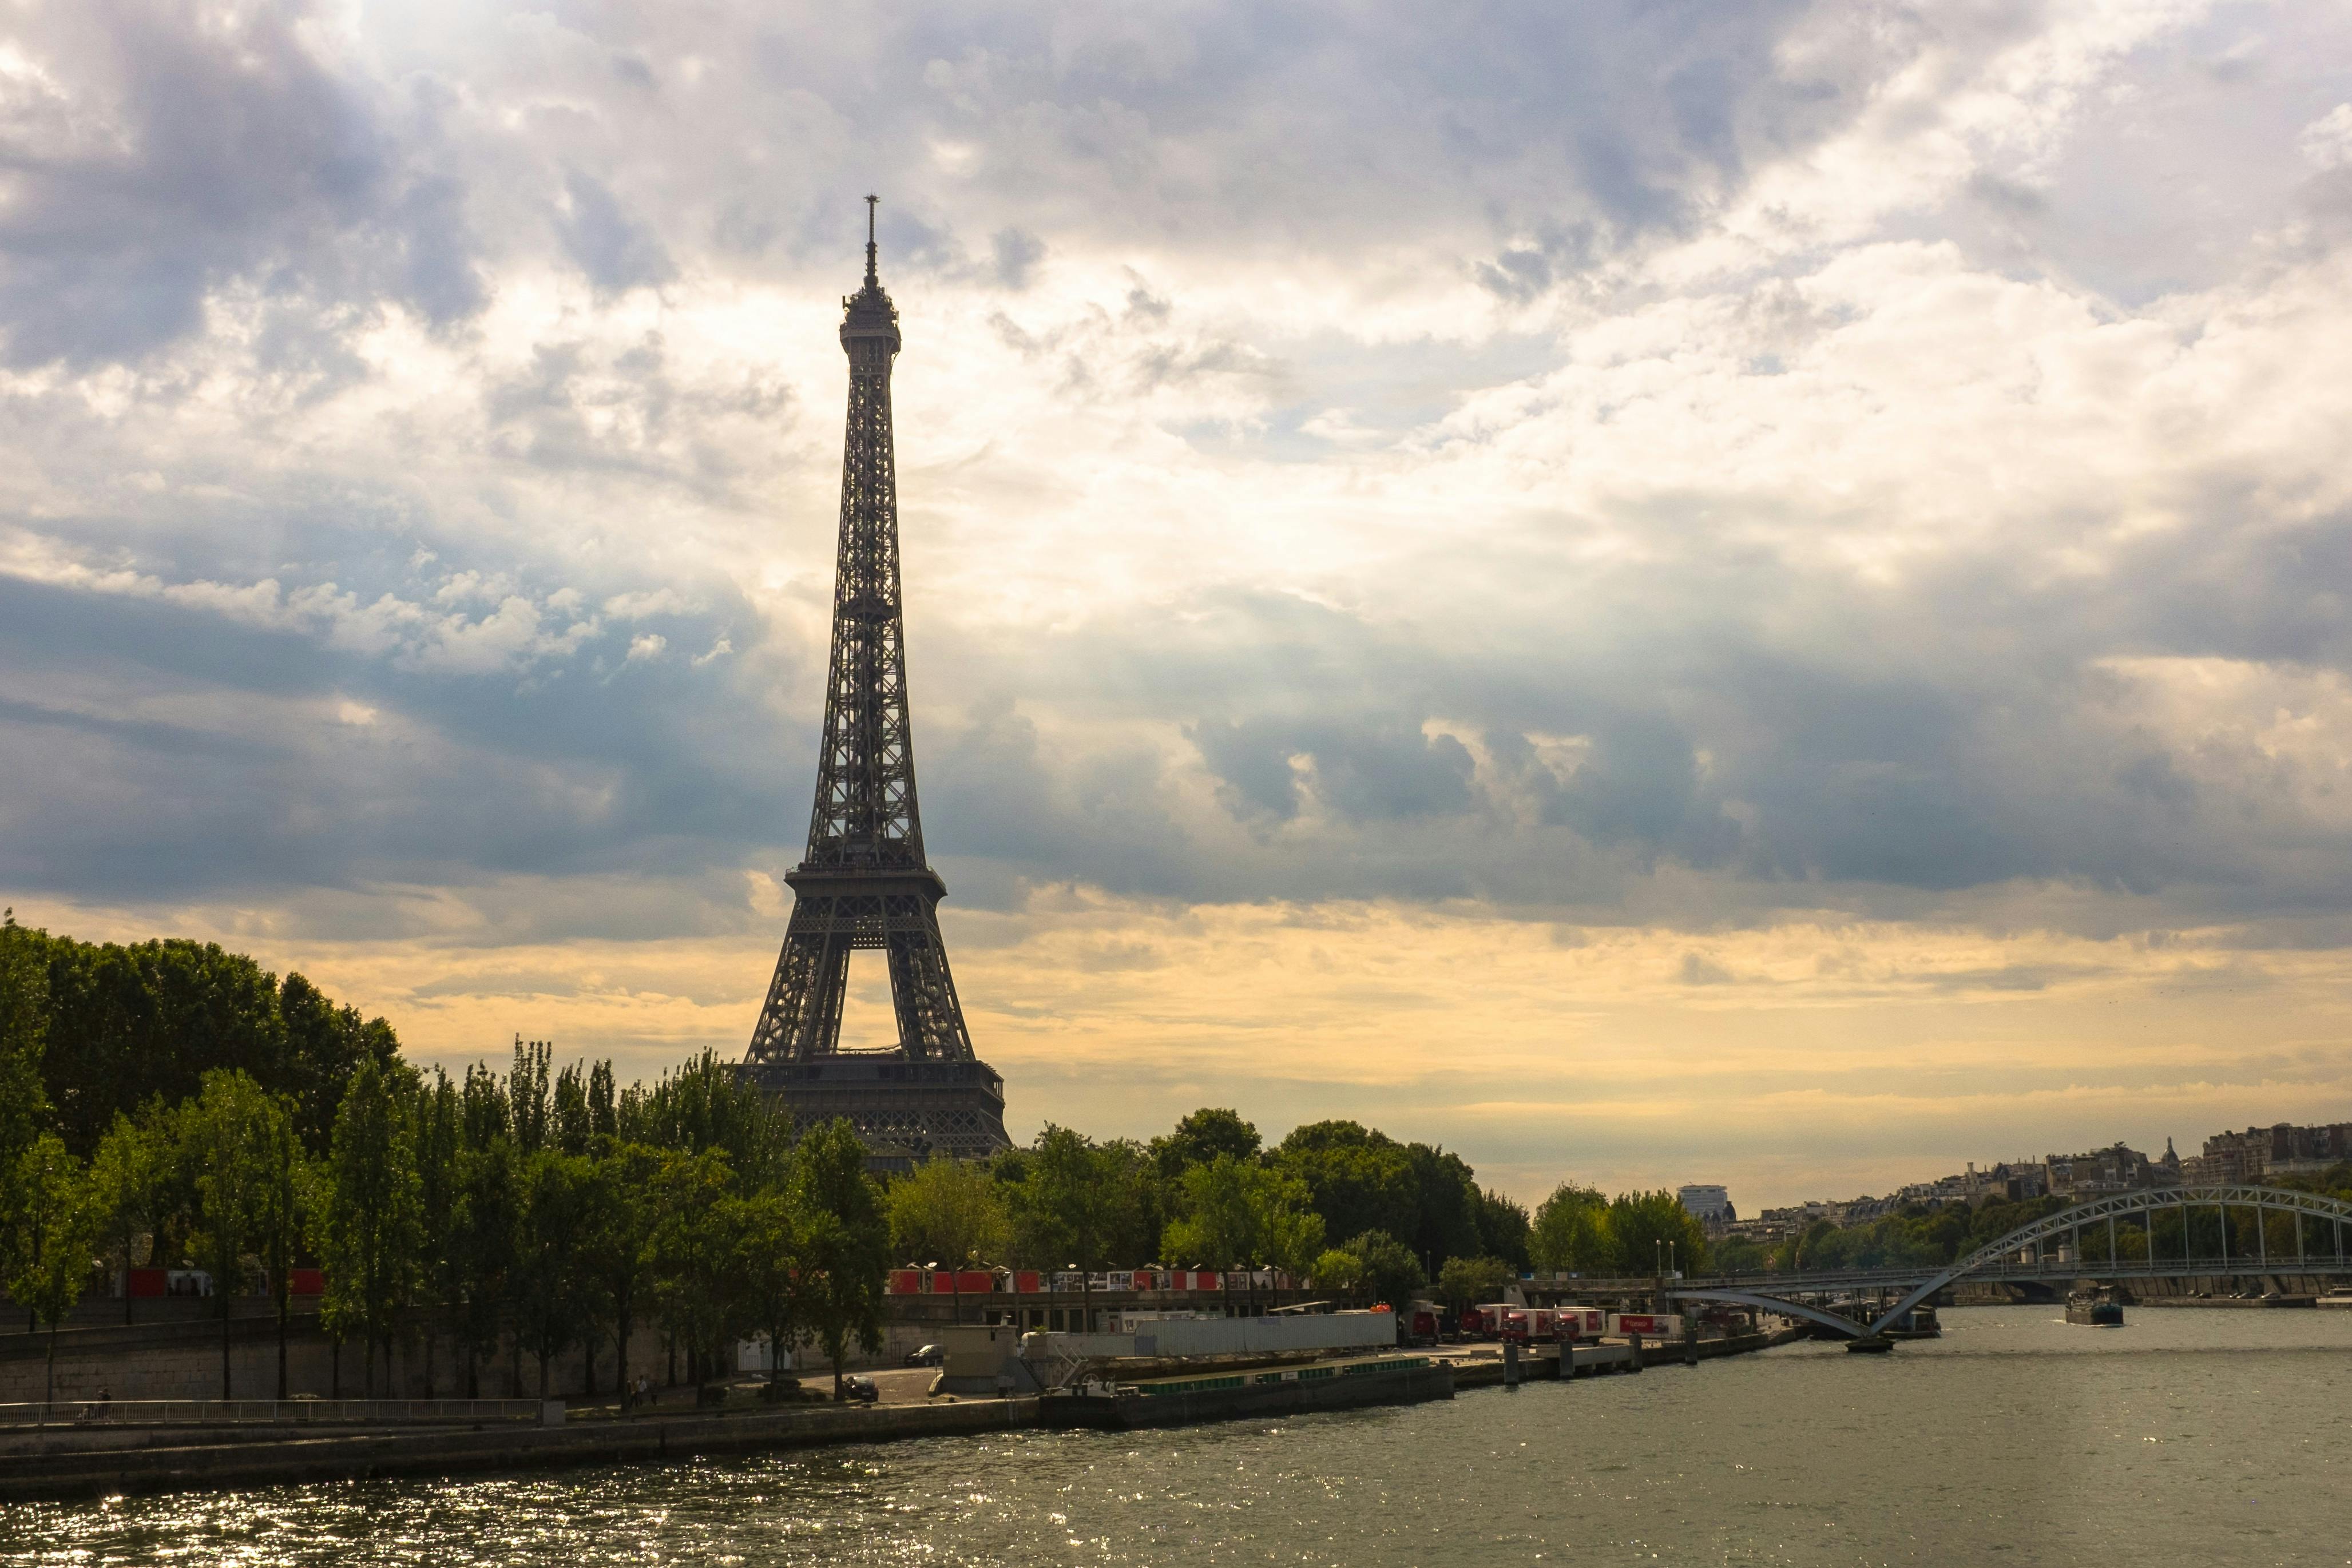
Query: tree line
529, 1211
1359, 1212
169, 1104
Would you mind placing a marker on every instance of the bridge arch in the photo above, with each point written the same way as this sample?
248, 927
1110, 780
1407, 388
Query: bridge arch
2148, 1201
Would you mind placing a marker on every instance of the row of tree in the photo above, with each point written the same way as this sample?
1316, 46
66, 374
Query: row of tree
540, 1211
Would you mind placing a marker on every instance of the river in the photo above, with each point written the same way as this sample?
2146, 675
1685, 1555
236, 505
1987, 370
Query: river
2206, 1436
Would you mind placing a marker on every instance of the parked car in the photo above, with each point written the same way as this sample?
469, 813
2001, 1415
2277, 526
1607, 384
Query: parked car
930, 1355
860, 1388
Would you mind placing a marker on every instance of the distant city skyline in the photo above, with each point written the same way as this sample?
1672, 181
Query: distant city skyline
1757, 600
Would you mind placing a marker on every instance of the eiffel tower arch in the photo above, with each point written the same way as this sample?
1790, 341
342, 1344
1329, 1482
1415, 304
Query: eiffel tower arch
864, 882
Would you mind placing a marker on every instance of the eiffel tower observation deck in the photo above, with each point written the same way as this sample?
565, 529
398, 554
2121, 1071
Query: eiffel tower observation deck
865, 882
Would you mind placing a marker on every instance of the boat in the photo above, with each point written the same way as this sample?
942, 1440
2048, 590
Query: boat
1228, 1393
2095, 1309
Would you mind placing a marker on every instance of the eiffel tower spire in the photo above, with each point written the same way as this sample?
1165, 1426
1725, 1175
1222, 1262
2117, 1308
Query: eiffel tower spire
864, 882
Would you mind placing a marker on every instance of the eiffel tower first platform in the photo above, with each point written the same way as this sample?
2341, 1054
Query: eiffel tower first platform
865, 883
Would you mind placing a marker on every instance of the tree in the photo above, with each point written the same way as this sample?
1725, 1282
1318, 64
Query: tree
1201, 1137
151, 1019
1388, 1267
23, 1028
440, 1205
1643, 1224
848, 1243
1502, 1228
1336, 1268
775, 1266
706, 1104
1075, 1203
619, 1235
692, 1256
229, 1136
325, 1046
1472, 1281
280, 1214
949, 1211
1237, 1214
1360, 1180
50, 1230
483, 1245
554, 1288
127, 1179
369, 1221
1570, 1232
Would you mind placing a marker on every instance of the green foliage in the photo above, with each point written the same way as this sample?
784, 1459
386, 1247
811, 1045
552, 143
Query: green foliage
949, 1211
1358, 1180
47, 1228
706, 1104
129, 1177
325, 1046
368, 1228
238, 1146
1237, 1214
1740, 1255
1076, 1203
1201, 1137
1469, 1282
618, 1247
777, 1265
557, 1293
1337, 1269
848, 1243
1569, 1233
1640, 1223
23, 1028
1387, 1268
1361, 1179
119, 1025
692, 1254
1505, 1229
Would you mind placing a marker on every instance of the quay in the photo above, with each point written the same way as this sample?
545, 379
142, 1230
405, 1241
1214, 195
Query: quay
116, 1452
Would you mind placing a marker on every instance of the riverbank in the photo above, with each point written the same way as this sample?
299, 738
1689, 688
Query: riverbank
179, 1460
81, 1462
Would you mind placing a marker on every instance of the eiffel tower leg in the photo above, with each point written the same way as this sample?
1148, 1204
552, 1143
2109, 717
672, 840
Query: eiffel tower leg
803, 1014
931, 1019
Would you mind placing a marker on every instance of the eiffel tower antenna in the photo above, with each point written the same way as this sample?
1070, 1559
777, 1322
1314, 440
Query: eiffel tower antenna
864, 882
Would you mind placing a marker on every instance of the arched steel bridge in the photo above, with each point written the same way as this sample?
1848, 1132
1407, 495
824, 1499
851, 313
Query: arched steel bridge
2022, 1254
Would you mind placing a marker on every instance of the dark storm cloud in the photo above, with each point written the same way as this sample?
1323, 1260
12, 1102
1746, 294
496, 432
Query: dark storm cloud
327, 769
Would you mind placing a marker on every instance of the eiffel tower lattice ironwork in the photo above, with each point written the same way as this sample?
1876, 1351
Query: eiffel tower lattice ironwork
864, 882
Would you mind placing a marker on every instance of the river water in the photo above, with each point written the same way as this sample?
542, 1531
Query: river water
2205, 1437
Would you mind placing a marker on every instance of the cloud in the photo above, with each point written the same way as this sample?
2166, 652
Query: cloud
1695, 471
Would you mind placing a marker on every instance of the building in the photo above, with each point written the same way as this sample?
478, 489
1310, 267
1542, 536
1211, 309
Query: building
865, 882
1710, 1206
2258, 1152
2117, 1169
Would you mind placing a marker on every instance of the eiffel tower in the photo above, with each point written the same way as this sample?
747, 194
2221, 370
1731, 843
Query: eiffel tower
864, 882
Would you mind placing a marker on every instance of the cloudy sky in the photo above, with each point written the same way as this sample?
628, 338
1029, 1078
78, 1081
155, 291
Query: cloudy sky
1653, 591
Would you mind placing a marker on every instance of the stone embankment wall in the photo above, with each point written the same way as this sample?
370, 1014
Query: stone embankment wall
181, 1360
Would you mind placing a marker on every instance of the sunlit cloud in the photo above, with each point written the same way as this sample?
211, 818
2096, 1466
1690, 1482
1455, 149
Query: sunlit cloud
1656, 602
